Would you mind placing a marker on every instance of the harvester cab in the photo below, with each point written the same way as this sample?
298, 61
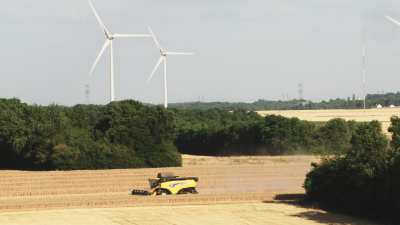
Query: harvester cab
169, 184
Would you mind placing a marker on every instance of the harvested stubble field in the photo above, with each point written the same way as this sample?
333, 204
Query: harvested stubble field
382, 115
221, 180
219, 214
240, 186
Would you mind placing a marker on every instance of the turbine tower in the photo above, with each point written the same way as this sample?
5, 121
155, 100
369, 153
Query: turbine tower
109, 43
163, 59
364, 69
87, 94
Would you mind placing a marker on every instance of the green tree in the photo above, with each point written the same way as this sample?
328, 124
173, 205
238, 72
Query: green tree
335, 136
395, 130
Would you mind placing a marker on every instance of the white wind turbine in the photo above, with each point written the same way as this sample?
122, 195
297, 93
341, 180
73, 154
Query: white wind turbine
163, 59
109, 43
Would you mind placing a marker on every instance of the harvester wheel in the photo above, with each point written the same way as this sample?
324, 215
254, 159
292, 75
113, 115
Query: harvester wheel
188, 191
161, 192
193, 191
183, 191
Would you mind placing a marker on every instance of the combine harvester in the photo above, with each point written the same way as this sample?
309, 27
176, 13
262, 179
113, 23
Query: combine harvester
169, 184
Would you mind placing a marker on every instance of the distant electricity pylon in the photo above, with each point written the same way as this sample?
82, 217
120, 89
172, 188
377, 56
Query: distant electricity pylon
87, 93
300, 91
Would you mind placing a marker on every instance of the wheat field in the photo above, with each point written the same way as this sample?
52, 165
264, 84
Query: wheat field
382, 115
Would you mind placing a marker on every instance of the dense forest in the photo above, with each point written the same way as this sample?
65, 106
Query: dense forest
372, 100
123, 134
364, 180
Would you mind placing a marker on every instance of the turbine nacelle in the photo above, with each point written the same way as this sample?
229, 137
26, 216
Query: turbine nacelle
108, 35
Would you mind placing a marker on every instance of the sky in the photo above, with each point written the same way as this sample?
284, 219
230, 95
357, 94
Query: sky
245, 50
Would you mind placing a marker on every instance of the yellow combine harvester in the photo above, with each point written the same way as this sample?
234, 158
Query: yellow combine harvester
169, 184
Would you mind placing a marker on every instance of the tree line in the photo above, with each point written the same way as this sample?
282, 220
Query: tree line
128, 134
372, 100
240, 132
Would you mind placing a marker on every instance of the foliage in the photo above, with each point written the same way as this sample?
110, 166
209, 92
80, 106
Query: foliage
122, 134
335, 136
386, 99
129, 134
363, 181
287, 135
395, 130
219, 132
261, 104
372, 100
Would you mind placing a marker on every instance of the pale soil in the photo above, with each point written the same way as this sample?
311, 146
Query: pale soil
220, 214
232, 191
382, 115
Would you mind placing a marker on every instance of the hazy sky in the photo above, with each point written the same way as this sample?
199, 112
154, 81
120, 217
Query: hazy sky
245, 50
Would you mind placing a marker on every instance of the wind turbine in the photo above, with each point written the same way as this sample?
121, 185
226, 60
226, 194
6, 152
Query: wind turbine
109, 43
163, 59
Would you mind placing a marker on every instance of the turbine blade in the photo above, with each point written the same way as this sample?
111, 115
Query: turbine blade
392, 20
102, 26
154, 38
155, 68
106, 44
131, 35
179, 53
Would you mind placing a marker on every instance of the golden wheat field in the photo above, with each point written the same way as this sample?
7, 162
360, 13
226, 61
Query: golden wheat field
233, 190
382, 115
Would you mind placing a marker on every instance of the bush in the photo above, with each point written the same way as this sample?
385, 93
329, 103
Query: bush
363, 181
287, 135
335, 136
395, 130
